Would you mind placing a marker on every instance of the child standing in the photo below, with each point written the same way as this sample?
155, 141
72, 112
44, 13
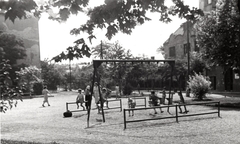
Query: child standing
154, 101
45, 92
80, 99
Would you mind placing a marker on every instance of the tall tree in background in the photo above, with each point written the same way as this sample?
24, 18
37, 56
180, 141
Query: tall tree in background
52, 76
219, 35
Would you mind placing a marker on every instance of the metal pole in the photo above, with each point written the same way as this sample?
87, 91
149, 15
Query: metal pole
120, 104
124, 118
176, 113
170, 86
188, 49
101, 54
89, 107
219, 109
70, 86
100, 94
145, 100
66, 106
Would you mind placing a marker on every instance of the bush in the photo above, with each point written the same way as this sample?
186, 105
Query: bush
199, 85
127, 90
37, 88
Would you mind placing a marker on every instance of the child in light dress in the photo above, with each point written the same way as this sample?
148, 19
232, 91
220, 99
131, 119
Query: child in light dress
45, 92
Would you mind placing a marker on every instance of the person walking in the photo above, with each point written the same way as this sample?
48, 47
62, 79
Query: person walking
45, 93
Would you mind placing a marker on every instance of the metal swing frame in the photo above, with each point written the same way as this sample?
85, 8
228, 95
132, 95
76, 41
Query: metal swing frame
97, 63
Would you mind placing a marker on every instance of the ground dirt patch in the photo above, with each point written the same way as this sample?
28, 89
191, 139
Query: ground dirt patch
31, 122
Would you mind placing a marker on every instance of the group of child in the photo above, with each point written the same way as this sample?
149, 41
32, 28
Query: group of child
154, 101
88, 98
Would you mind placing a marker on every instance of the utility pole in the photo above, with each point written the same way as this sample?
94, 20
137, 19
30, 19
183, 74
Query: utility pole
188, 49
101, 53
70, 76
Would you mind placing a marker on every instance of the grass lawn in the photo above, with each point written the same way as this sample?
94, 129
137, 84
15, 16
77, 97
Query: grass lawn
31, 123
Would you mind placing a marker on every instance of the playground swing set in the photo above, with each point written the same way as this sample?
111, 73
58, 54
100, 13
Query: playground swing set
96, 78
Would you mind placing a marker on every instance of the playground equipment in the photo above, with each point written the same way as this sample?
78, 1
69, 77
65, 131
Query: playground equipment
97, 63
136, 99
68, 103
114, 100
176, 116
68, 113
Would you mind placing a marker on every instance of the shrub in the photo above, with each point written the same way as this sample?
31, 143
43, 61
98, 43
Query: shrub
199, 85
127, 90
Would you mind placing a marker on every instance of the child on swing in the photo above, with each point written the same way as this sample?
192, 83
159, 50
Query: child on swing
154, 101
80, 99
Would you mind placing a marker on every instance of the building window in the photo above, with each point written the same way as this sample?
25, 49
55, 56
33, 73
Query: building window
172, 52
185, 49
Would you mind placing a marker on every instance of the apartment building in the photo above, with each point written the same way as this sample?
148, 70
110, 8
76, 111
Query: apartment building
175, 47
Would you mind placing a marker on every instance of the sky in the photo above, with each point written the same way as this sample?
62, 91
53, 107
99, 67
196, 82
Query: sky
145, 39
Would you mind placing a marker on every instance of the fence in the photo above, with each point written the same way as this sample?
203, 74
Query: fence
139, 105
120, 104
67, 103
176, 116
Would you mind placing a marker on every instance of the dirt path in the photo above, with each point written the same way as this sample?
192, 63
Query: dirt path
31, 122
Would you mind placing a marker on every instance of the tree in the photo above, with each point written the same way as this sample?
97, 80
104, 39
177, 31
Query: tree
83, 76
73, 52
116, 71
114, 15
219, 36
198, 64
10, 89
28, 76
51, 76
12, 48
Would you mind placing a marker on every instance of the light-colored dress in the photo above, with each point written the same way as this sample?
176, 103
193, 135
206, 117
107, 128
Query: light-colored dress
45, 93
117, 90
96, 94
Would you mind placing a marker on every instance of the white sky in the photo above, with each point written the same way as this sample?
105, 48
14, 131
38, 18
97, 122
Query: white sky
145, 39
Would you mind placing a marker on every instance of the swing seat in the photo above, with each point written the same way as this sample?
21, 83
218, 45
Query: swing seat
67, 114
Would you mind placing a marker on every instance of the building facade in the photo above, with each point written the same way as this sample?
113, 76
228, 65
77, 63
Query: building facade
176, 45
27, 30
222, 79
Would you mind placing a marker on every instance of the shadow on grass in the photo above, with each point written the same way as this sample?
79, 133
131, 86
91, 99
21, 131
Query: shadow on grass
3, 141
79, 115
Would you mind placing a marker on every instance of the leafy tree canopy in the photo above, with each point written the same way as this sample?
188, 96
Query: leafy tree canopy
219, 35
114, 15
